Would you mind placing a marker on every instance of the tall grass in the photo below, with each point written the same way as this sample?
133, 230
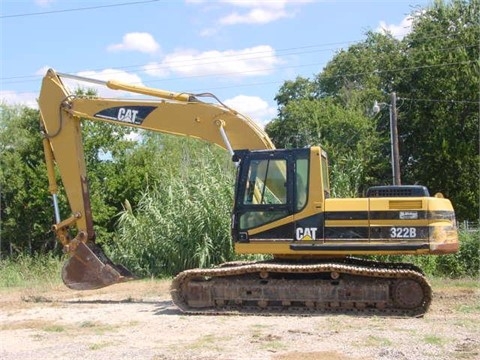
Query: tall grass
184, 223
30, 271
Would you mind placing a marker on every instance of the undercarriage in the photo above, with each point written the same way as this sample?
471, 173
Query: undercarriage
304, 288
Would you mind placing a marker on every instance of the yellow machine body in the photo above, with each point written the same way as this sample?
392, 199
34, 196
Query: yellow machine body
282, 207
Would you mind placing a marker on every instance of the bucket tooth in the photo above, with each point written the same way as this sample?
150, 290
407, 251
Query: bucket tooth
89, 268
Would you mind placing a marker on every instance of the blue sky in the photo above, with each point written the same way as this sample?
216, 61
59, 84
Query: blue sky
242, 51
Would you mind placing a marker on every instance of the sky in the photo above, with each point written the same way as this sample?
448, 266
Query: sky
240, 50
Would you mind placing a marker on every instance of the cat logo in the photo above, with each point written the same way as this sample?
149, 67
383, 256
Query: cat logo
131, 115
127, 115
306, 233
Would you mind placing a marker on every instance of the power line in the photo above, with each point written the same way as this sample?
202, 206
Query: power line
190, 62
77, 9
439, 100
294, 66
348, 75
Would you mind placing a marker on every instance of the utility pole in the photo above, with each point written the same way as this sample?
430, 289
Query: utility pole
394, 135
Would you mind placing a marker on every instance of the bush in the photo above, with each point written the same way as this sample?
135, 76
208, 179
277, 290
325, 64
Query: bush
466, 262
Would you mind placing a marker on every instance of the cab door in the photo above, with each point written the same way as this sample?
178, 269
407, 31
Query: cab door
263, 207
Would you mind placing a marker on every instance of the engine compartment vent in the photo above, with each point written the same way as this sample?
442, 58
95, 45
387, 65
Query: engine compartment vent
405, 204
398, 191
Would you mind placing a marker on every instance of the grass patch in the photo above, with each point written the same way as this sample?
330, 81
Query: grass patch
270, 342
36, 299
30, 271
209, 341
465, 283
468, 323
434, 340
88, 324
97, 327
378, 340
100, 345
375, 341
54, 328
259, 326
469, 309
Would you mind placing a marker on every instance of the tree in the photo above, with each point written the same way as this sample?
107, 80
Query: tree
438, 116
26, 207
26, 211
333, 110
355, 78
435, 72
344, 133
365, 71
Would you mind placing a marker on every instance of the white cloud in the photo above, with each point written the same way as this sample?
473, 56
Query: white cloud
252, 106
136, 41
257, 15
44, 3
254, 61
251, 12
29, 99
260, 12
157, 69
397, 31
13, 98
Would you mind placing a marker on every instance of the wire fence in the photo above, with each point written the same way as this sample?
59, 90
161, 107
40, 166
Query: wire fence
470, 226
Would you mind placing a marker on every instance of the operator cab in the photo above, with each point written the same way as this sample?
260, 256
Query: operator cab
271, 187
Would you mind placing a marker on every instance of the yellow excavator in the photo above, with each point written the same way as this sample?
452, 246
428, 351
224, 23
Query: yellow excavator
282, 207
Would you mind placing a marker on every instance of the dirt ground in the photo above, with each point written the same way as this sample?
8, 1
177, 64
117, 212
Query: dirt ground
137, 320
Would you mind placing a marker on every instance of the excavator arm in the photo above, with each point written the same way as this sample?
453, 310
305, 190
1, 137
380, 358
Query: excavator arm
61, 114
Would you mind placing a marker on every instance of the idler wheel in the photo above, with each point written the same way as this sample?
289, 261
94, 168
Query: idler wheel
408, 294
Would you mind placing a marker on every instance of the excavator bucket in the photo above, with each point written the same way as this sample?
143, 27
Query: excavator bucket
89, 268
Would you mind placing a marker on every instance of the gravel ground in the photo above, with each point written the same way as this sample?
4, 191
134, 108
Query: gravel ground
137, 320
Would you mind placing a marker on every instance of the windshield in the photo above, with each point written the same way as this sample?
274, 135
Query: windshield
266, 182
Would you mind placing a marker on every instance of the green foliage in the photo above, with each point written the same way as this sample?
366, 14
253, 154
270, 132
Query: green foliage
363, 72
438, 120
26, 212
29, 271
435, 71
185, 221
354, 79
26, 206
346, 135
346, 173
106, 147
466, 262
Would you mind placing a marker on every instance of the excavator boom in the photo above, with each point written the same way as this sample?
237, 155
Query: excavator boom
168, 112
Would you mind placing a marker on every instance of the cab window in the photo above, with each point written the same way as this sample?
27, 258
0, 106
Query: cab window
301, 184
266, 183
